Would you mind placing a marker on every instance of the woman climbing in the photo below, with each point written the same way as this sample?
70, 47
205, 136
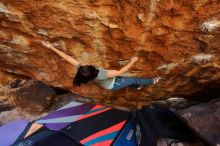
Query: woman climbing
108, 79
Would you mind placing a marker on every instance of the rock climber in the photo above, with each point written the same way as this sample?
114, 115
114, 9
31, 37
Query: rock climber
108, 79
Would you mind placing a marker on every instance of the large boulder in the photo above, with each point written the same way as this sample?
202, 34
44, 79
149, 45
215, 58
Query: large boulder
177, 38
204, 119
31, 95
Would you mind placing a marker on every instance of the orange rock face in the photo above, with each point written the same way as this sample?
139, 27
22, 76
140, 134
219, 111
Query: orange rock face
177, 38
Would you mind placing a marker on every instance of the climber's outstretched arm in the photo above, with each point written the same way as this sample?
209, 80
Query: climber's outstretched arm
114, 73
61, 54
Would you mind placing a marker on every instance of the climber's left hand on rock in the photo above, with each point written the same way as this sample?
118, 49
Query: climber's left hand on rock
47, 44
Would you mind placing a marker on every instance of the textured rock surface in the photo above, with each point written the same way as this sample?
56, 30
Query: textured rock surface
29, 95
177, 38
164, 142
205, 120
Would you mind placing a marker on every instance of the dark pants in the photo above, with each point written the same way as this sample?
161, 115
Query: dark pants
134, 82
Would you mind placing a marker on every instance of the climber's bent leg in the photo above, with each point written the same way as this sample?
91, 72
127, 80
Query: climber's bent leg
122, 82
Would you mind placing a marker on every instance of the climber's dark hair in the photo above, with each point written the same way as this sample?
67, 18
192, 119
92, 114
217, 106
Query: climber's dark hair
85, 74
